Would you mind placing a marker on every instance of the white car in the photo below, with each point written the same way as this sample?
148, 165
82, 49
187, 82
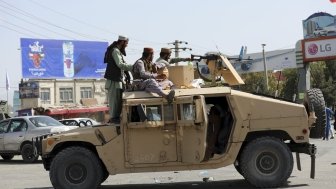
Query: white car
16, 135
81, 122
320, 32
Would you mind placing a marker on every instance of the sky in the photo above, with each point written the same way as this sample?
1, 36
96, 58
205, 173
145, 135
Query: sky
212, 25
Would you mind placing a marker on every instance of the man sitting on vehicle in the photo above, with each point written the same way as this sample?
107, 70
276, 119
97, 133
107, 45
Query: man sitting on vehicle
145, 75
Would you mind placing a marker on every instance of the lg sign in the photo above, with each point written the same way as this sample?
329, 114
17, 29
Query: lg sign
318, 50
313, 48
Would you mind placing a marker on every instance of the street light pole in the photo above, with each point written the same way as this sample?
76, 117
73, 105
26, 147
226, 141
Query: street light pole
265, 67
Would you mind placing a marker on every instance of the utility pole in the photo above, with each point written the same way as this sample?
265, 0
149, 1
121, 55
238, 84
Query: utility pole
265, 66
177, 48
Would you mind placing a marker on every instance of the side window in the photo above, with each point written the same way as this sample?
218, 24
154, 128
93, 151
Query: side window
186, 111
133, 115
17, 126
3, 126
154, 113
151, 112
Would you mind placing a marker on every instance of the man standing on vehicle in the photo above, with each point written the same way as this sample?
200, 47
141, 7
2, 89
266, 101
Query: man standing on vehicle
116, 65
145, 75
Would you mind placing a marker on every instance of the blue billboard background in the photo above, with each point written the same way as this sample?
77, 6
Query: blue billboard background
44, 58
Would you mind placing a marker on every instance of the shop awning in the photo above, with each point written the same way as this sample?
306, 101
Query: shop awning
58, 111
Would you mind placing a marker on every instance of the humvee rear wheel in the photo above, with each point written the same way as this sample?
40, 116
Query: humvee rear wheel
76, 168
266, 162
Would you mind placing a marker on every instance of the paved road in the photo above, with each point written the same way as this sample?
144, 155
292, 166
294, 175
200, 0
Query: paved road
18, 175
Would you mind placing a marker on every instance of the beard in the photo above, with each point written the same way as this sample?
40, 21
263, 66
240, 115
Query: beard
123, 50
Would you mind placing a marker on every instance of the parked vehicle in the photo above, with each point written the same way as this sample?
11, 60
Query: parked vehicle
81, 122
16, 135
3, 114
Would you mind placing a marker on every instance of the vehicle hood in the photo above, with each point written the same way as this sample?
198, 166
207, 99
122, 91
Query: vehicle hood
53, 129
98, 135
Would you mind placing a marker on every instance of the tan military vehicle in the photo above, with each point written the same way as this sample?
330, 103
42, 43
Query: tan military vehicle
204, 128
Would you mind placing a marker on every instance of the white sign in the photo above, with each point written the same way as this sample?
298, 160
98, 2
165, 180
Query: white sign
317, 50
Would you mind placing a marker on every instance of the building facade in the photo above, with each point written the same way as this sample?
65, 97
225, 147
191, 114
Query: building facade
63, 98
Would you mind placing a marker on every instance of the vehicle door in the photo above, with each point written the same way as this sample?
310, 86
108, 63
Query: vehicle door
171, 133
3, 130
152, 140
15, 134
191, 128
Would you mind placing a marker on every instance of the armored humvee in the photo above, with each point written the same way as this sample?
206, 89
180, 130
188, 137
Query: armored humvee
204, 128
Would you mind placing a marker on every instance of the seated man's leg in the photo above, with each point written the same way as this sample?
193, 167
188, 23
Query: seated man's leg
151, 85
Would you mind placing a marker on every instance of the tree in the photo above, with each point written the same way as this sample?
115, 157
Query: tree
255, 83
290, 84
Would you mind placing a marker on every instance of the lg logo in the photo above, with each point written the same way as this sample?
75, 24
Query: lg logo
313, 48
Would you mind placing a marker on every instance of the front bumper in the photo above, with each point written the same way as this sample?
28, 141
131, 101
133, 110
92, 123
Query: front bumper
37, 142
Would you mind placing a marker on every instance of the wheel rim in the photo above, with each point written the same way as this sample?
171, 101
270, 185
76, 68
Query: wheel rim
267, 163
76, 173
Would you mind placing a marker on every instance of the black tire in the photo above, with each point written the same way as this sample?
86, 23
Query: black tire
76, 168
314, 97
238, 168
28, 153
106, 174
7, 157
266, 162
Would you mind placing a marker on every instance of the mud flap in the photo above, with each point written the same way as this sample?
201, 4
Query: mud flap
306, 148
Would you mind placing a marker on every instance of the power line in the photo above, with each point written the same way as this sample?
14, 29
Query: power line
21, 27
35, 24
92, 25
14, 30
75, 19
177, 48
45, 21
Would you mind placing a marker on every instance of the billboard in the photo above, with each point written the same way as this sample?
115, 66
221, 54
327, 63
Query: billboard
319, 24
319, 49
59, 59
29, 90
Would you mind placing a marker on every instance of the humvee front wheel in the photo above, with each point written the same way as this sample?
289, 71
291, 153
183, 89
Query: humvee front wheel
266, 162
76, 168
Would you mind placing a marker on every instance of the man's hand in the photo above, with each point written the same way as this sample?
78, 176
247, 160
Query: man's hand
154, 68
161, 76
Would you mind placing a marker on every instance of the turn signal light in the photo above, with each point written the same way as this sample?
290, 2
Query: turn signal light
50, 141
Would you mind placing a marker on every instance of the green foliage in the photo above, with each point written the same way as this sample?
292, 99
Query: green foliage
255, 83
323, 76
290, 84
